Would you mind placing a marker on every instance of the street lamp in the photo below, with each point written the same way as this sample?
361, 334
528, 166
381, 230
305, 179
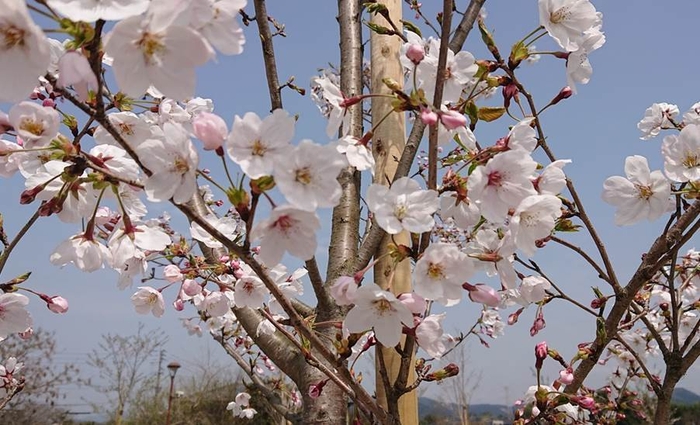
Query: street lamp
172, 370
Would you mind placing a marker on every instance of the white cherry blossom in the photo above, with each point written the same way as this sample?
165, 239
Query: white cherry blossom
578, 68
566, 20
642, 194
15, 317
357, 154
463, 211
173, 161
334, 106
35, 124
682, 154
148, 300
307, 176
502, 183
534, 219
250, 292
217, 21
82, 250
92, 10
657, 117
254, 144
152, 51
25, 52
74, 70
552, 180
403, 206
440, 273
287, 229
379, 310
533, 289
132, 128
9, 163
431, 337
460, 69
226, 225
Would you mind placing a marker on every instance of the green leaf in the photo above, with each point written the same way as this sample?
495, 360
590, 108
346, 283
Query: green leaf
490, 113
409, 26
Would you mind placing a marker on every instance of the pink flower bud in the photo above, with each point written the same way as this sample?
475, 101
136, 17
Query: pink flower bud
538, 324
315, 390
415, 303
566, 376
191, 288
415, 53
483, 294
211, 129
178, 304
564, 93
172, 273
428, 116
586, 402
453, 120
541, 350
57, 304
49, 103
513, 317
26, 334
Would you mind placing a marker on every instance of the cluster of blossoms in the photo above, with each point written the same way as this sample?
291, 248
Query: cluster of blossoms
495, 206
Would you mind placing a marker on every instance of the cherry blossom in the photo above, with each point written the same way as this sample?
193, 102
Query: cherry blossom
379, 310
35, 124
403, 206
336, 107
132, 128
357, 154
343, 290
14, 316
25, 53
459, 71
226, 225
83, 251
682, 154
148, 300
484, 294
254, 143
656, 118
462, 211
566, 20
250, 292
74, 70
552, 180
578, 68
533, 289
92, 10
240, 407
643, 194
307, 176
216, 20
534, 219
431, 337
151, 51
57, 304
440, 272
173, 161
287, 229
502, 183
8, 162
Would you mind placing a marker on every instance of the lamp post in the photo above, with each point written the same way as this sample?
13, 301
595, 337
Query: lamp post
172, 370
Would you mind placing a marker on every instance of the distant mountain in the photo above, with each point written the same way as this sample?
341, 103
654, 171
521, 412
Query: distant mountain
428, 407
684, 396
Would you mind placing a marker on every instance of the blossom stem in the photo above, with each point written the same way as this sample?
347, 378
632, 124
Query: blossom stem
533, 32
13, 243
208, 178
228, 174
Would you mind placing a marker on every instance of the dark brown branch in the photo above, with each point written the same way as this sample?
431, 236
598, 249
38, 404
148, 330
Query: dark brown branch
268, 51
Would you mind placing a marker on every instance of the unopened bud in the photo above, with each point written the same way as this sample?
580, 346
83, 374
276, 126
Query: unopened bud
564, 93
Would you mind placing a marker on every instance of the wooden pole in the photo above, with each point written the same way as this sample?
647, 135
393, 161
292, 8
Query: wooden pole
387, 145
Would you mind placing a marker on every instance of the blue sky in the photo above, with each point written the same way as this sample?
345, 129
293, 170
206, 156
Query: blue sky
649, 57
